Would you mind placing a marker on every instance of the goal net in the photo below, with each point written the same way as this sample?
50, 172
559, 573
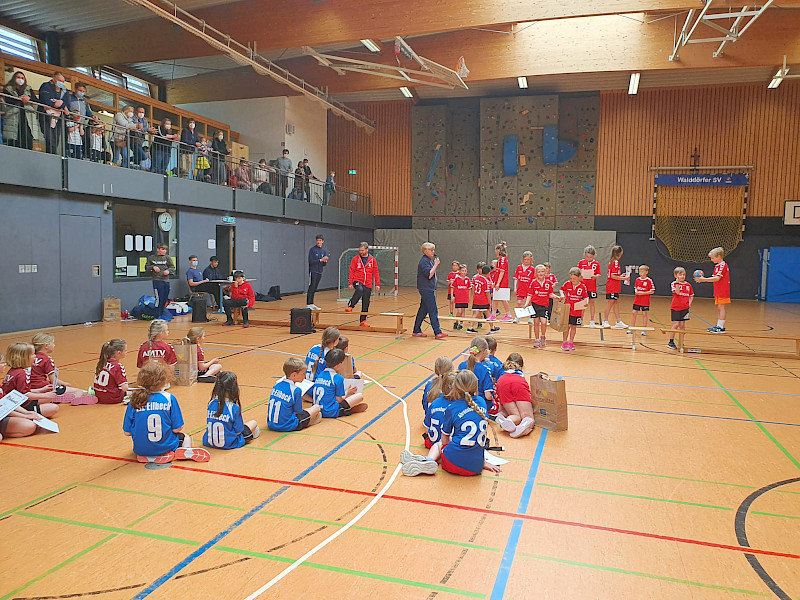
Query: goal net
388, 260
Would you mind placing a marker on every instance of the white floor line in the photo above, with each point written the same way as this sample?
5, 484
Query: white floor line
355, 519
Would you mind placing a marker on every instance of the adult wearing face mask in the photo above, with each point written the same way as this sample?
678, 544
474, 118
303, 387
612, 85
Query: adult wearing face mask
138, 136
220, 151
20, 126
284, 164
197, 282
190, 141
124, 124
81, 112
53, 95
164, 135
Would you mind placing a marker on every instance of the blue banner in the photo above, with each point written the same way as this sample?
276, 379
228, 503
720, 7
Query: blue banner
703, 179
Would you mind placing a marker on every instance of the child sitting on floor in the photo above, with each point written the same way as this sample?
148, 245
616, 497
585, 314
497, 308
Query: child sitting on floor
514, 398
19, 422
154, 421
155, 347
285, 412
43, 372
329, 392
206, 370
110, 380
20, 357
433, 389
315, 359
344, 345
225, 427
476, 355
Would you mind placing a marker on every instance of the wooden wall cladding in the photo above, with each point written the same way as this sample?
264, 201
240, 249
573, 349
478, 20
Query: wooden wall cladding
382, 160
730, 125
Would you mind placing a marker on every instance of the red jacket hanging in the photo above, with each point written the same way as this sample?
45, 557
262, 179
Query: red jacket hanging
363, 273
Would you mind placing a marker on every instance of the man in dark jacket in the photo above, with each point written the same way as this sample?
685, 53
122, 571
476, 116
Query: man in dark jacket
189, 141
160, 267
317, 259
54, 95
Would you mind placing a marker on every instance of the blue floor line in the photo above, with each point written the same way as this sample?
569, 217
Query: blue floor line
679, 385
701, 318
500, 583
221, 535
659, 412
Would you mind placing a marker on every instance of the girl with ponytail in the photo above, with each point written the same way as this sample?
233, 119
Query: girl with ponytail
434, 400
500, 251
315, 359
514, 397
110, 381
477, 353
461, 449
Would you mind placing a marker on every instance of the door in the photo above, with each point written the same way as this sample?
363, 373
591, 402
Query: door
225, 249
81, 289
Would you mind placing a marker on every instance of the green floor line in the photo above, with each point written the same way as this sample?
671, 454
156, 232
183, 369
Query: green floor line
605, 493
651, 398
379, 349
277, 439
766, 514
640, 574
246, 408
750, 416
36, 500
161, 497
382, 377
365, 574
312, 455
150, 514
57, 567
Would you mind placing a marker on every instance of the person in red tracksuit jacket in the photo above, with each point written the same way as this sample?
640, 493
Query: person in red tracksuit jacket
363, 268
242, 296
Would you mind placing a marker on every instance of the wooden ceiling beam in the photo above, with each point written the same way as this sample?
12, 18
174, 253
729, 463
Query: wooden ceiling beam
275, 26
586, 45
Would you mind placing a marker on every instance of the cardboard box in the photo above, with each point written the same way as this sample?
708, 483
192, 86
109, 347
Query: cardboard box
186, 369
112, 307
549, 397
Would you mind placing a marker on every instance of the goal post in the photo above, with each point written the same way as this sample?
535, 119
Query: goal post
387, 257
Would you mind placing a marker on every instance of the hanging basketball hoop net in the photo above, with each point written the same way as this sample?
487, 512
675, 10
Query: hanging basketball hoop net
461, 68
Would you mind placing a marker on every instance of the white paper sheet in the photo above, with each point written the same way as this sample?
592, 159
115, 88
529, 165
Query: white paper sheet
148, 243
524, 312
121, 261
11, 401
502, 294
357, 383
582, 304
587, 273
47, 424
132, 271
494, 460
138, 243
128, 243
305, 386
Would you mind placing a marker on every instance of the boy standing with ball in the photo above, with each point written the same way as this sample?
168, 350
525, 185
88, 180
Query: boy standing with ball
722, 287
682, 296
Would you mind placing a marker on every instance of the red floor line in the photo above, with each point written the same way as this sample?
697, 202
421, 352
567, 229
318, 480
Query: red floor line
499, 513
79, 362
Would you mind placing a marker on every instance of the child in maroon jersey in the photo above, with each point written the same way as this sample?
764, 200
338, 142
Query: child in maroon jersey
43, 372
20, 357
155, 347
110, 380
19, 422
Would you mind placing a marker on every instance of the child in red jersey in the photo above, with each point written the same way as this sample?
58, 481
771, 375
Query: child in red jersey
43, 372
590, 282
461, 288
682, 296
206, 369
242, 296
19, 422
481, 287
110, 380
551, 277
540, 295
643, 288
575, 294
523, 276
722, 287
614, 287
502, 283
20, 357
155, 347
456, 266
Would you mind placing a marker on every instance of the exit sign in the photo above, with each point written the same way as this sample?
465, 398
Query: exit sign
229, 220
351, 172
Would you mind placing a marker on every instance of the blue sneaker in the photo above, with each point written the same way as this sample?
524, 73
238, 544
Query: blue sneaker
166, 316
716, 329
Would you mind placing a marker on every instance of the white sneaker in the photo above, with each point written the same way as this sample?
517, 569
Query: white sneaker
524, 428
644, 333
256, 432
620, 325
605, 325
406, 456
505, 423
592, 325
418, 467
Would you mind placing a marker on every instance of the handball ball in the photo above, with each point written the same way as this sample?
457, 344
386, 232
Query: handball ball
699, 273
60, 389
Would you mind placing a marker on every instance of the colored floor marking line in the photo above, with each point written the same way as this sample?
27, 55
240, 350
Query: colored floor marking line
382, 377
36, 500
717, 417
277, 439
751, 417
52, 570
678, 385
640, 574
621, 495
650, 398
224, 533
246, 408
473, 509
501, 580
150, 514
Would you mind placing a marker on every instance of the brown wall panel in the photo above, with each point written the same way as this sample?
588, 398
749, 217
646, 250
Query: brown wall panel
729, 125
382, 160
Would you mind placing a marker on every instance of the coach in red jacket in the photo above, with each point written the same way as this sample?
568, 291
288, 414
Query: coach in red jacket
363, 268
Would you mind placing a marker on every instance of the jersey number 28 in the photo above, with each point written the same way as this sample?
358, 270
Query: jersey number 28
473, 430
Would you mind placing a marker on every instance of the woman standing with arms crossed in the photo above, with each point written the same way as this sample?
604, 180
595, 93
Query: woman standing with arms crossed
426, 286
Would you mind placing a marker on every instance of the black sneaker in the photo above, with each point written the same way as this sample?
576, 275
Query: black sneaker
207, 379
471, 330
493, 329
716, 329
672, 345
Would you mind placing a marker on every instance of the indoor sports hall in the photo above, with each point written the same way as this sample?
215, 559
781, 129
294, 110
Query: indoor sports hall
606, 190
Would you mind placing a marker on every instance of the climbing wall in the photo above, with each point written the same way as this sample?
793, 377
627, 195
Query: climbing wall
463, 167
429, 165
525, 199
577, 177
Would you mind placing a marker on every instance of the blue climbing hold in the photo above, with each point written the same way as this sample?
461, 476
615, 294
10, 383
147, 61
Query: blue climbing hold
503, 210
510, 144
547, 185
553, 151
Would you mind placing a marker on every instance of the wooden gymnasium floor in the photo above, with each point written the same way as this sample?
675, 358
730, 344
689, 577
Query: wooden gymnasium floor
679, 477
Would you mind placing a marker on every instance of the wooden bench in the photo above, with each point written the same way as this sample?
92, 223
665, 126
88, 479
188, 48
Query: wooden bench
398, 329
679, 342
496, 322
633, 330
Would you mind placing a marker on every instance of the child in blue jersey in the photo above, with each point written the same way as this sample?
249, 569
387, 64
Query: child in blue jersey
433, 389
153, 419
225, 427
315, 359
476, 355
344, 345
329, 392
285, 411
495, 364
437, 410
461, 449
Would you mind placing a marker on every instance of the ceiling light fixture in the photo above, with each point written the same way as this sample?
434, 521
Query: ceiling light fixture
371, 46
633, 86
406, 92
783, 71
522, 82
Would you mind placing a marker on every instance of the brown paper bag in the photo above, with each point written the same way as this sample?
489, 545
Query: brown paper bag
186, 369
111, 309
549, 397
559, 319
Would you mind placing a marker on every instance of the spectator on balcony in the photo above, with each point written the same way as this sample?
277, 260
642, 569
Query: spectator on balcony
307, 177
96, 143
299, 182
284, 164
20, 126
190, 141
138, 137
261, 182
124, 124
74, 136
79, 107
243, 176
330, 188
220, 151
53, 95
164, 135
203, 165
